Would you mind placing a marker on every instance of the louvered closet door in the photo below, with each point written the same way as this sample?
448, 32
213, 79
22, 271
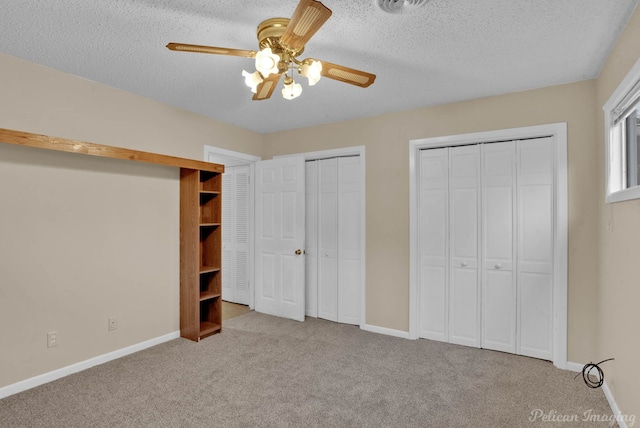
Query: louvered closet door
328, 239
235, 234
434, 244
464, 193
348, 237
535, 166
228, 236
498, 247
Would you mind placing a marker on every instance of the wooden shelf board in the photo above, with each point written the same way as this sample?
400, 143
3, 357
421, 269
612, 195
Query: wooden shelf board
208, 269
209, 192
73, 146
210, 224
207, 327
206, 295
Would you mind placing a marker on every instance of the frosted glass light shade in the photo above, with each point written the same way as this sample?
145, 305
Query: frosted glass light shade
291, 90
252, 80
267, 62
312, 70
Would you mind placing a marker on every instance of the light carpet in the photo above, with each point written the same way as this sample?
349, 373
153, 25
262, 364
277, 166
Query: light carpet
265, 371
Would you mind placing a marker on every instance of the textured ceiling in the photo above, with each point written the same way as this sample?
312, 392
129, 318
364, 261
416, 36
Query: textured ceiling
445, 51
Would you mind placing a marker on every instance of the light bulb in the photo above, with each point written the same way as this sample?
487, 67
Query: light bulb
252, 80
312, 70
267, 62
291, 90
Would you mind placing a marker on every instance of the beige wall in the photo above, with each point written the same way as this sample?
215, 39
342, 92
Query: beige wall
82, 238
387, 207
619, 228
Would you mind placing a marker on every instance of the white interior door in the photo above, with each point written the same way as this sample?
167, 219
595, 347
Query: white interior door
280, 227
228, 236
498, 232
535, 165
235, 234
433, 244
464, 292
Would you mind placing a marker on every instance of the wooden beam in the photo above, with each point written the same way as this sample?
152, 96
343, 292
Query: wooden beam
72, 146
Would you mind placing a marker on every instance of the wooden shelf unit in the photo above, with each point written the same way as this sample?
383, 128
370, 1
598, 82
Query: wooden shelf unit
201, 250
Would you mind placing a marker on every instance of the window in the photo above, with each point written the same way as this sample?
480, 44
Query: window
622, 125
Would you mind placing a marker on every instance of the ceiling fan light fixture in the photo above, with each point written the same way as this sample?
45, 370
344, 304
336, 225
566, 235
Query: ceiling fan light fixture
252, 80
267, 62
281, 42
312, 70
291, 89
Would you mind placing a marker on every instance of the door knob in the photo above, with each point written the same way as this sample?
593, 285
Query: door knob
463, 264
299, 251
498, 266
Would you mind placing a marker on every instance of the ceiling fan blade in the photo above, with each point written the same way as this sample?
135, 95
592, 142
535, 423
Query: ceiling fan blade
347, 75
266, 88
182, 47
308, 17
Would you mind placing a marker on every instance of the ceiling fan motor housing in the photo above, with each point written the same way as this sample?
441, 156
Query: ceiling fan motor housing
399, 6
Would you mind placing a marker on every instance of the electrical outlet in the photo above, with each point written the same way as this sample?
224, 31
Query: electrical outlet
52, 339
113, 323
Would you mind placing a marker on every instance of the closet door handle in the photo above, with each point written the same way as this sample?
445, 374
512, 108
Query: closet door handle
299, 251
498, 266
463, 264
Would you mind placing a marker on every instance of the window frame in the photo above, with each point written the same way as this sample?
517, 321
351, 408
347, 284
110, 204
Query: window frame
615, 156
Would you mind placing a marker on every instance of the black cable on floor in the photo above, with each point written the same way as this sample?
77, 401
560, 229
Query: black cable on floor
586, 374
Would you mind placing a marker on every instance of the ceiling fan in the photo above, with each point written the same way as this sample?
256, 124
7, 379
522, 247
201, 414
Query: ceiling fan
281, 41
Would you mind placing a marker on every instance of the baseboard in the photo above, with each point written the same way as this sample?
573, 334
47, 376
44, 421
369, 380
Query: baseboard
384, 330
620, 418
15, 388
574, 367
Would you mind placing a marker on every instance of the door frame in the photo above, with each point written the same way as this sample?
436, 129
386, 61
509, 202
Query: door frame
350, 151
558, 131
232, 158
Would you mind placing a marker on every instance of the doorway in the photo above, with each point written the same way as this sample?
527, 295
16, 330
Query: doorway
237, 223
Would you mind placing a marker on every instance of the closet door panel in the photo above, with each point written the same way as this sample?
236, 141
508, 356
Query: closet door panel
463, 318
327, 239
228, 236
349, 240
535, 247
311, 236
434, 244
498, 242
535, 313
464, 176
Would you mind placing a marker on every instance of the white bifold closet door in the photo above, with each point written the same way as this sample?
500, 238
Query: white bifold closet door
499, 299
235, 234
449, 237
486, 246
464, 183
535, 237
333, 239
